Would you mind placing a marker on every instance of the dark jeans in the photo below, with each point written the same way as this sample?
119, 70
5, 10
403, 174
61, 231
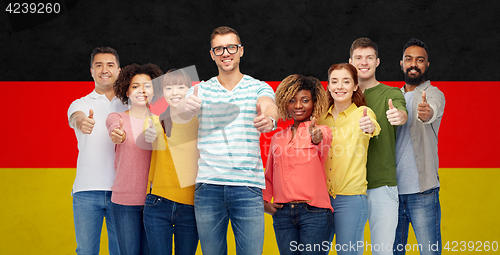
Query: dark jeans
299, 226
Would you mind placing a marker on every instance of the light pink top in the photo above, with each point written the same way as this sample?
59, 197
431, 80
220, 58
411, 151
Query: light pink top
132, 161
295, 169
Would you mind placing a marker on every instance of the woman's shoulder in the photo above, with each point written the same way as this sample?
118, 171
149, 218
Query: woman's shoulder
117, 115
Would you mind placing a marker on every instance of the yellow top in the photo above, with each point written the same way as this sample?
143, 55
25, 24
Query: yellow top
345, 166
174, 167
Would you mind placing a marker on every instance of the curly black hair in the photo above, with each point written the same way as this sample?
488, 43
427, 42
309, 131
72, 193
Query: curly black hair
294, 83
124, 79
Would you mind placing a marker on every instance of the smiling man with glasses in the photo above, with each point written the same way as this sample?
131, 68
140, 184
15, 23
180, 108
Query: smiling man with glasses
231, 49
233, 109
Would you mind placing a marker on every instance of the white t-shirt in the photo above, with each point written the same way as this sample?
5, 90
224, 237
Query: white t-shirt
95, 166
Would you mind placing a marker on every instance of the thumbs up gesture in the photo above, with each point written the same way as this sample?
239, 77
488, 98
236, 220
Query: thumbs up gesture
316, 134
424, 109
193, 103
150, 132
262, 122
394, 116
365, 123
118, 134
88, 123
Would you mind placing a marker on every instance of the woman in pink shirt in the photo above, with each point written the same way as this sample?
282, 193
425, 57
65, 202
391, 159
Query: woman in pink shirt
295, 176
134, 87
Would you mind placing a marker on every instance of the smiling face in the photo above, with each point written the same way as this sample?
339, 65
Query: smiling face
174, 94
104, 70
366, 61
341, 86
300, 107
414, 65
140, 91
227, 62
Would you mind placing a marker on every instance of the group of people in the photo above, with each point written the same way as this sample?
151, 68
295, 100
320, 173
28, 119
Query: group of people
359, 150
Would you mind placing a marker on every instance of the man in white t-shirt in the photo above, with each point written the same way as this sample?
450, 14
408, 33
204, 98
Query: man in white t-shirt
95, 171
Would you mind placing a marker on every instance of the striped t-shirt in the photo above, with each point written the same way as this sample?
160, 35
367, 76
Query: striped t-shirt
227, 139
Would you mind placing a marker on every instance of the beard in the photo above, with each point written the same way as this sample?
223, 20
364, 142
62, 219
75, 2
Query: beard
417, 80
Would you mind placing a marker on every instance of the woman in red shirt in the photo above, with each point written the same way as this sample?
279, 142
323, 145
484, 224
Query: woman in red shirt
295, 176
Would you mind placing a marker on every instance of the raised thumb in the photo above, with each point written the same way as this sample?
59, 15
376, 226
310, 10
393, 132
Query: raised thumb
365, 112
91, 113
195, 90
390, 104
259, 111
424, 99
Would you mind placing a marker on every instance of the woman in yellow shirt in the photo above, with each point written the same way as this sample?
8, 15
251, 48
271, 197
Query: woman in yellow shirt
169, 207
352, 124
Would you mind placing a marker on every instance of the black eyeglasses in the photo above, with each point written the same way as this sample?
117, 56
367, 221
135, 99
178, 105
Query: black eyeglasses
232, 49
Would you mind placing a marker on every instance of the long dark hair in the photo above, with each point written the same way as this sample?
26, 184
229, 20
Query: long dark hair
171, 77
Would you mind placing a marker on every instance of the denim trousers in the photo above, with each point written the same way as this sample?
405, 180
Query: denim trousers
89, 210
215, 205
130, 231
350, 214
423, 211
302, 229
164, 218
383, 206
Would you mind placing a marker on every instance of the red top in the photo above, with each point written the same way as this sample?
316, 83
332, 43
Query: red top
295, 169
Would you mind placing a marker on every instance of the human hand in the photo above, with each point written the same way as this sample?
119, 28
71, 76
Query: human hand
424, 109
271, 208
88, 123
365, 123
118, 134
316, 134
150, 133
193, 102
394, 116
262, 122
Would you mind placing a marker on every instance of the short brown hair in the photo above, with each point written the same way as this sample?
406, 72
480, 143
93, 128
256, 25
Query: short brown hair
124, 79
363, 42
294, 83
357, 96
223, 30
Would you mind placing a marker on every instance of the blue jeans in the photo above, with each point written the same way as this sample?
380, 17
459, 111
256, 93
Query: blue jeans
423, 210
302, 229
215, 205
350, 214
383, 206
164, 218
130, 231
89, 209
